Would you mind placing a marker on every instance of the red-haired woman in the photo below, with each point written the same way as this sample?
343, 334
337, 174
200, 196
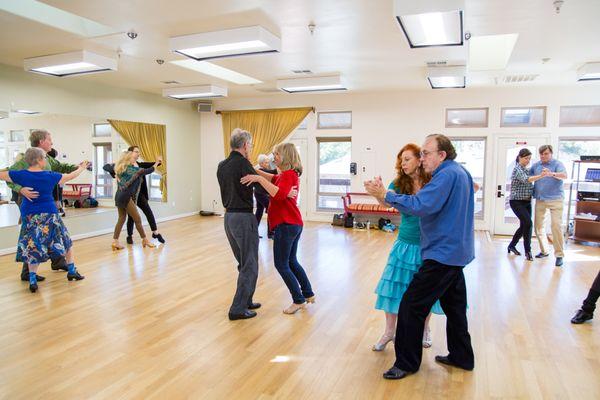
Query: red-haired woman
405, 257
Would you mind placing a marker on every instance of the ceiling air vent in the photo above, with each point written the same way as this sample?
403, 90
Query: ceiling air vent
436, 63
302, 71
170, 82
521, 78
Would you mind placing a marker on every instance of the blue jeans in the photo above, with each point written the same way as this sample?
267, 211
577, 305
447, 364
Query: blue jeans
285, 246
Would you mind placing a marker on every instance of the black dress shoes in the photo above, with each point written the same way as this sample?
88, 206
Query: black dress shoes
528, 256
581, 317
445, 360
254, 306
129, 240
59, 267
513, 249
245, 315
158, 237
25, 278
541, 255
33, 287
76, 276
395, 373
559, 262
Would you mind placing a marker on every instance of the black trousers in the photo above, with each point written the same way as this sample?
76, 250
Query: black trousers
589, 304
434, 281
522, 209
262, 205
142, 203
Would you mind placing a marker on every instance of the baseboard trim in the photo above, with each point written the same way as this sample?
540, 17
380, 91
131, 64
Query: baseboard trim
12, 250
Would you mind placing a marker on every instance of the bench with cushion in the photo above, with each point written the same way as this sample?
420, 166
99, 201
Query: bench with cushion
365, 208
77, 191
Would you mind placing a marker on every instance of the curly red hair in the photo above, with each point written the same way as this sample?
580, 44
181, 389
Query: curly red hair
403, 183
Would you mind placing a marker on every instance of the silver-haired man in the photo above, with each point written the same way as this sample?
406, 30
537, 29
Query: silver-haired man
240, 223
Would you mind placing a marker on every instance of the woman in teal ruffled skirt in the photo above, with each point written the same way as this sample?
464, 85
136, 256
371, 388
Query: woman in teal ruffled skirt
405, 257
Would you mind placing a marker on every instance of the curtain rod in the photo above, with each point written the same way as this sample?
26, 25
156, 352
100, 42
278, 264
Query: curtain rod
266, 109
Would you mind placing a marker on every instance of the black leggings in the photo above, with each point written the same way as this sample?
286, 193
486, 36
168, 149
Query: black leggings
522, 209
589, 304
142, 203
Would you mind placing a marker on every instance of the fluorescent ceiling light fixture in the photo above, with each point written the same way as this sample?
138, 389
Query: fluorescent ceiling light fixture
227, 43
217, 71
492, 52
428, 23
195, 92
56, 18
74, 63
3, 114
28, 112
314, 84
589, 72
447, 77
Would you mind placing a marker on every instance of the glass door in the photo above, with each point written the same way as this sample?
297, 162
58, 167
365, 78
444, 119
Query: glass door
505, 221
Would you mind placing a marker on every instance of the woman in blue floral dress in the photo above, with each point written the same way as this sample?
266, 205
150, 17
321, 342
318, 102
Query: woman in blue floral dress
43, 233
405, 257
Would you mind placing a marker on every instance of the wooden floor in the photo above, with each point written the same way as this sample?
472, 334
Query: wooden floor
152, 324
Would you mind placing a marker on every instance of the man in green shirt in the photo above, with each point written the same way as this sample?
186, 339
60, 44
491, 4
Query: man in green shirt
43, 140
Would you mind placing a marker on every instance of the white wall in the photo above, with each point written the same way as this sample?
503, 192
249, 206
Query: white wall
388, 120
73, 96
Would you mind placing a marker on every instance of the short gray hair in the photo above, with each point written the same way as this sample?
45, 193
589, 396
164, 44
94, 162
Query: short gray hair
545, 147
239, 138
262, 158
33, 155
37, 136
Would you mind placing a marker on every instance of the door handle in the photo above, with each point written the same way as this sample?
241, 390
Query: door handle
499, 194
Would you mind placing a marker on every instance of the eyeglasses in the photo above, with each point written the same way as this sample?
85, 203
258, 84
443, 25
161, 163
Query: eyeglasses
425, 153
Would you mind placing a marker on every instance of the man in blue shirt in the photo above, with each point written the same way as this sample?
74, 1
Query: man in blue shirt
548, 175
445, 206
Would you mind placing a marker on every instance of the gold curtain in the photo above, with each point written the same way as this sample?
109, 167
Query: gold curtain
268, 127
152, 142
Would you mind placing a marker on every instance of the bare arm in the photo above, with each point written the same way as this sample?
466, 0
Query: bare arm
72, 175
4, 176
264, 182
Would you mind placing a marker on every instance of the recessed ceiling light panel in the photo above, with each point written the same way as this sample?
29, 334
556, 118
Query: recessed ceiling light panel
316, 84
589, 72
491, 52
217, 71
226, 43
67, 64
447, 77
429, 23
195, 92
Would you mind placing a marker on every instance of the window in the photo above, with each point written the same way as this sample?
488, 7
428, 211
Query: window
102, 130
304, 124
470, 153
103, 182
569, 150
334, 172
1, 137
334, 120
466, 117
579, 116
17, 136
153, 181
523, 116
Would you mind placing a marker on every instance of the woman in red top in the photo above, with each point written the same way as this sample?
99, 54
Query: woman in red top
286, 222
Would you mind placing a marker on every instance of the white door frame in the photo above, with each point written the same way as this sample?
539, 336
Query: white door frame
546, 136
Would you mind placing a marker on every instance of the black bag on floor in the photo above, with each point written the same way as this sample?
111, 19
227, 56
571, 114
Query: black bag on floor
383, 222
349, 221
338, 220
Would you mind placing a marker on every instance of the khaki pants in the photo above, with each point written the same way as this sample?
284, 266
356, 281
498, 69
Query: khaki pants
556, 211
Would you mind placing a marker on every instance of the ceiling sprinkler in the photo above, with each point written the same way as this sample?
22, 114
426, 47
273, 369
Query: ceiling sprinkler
311, 28
557, 5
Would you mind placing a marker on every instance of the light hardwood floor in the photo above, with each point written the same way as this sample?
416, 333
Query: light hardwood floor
152, 324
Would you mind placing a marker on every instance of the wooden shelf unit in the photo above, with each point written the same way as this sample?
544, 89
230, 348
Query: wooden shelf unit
584, 230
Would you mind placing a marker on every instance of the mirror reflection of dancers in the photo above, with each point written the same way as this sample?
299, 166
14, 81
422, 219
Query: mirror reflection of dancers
43, 234
142, 201
129, 178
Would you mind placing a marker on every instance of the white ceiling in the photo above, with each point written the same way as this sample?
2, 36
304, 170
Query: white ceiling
358, 38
